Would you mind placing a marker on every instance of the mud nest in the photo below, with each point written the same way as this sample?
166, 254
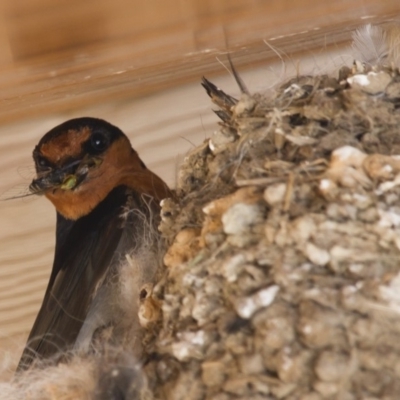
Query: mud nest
283, 271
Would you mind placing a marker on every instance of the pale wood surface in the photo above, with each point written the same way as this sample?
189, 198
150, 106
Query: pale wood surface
131, 62
64, 54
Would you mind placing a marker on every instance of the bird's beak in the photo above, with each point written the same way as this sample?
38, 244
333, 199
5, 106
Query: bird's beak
67, 177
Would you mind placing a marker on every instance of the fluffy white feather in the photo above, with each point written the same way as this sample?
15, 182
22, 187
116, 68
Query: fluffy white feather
370, 44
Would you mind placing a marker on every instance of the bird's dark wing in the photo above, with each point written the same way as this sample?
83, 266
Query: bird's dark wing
84, 251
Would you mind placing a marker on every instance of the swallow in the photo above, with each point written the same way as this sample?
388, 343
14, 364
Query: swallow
105, 198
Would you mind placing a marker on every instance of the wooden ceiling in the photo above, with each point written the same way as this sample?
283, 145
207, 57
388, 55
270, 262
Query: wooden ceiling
62, 55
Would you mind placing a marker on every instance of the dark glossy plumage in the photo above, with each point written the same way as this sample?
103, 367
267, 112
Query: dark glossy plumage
79, 300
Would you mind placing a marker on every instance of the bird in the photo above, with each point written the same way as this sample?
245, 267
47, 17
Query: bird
107, 204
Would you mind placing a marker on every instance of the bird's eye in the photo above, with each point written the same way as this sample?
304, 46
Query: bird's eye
42, 162
99, 141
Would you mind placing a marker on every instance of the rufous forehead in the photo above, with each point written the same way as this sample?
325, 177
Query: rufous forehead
66, 145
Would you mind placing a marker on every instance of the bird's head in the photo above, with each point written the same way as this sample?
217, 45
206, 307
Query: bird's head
80, 161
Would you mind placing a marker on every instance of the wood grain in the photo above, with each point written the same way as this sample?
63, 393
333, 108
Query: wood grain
64, 56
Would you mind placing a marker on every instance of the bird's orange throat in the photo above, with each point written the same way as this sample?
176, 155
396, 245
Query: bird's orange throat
121, 166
